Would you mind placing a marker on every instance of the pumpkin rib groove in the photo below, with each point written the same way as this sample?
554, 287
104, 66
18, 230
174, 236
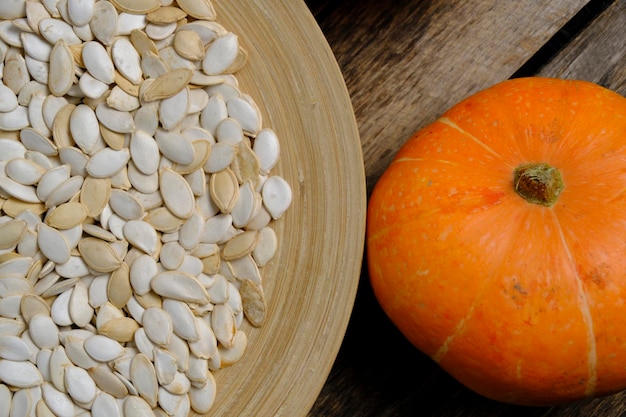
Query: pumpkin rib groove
592, 358
449, 122
486, 282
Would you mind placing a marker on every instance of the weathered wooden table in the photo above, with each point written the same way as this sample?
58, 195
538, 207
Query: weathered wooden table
404, 63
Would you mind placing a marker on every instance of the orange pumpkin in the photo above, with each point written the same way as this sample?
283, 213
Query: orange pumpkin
496, 241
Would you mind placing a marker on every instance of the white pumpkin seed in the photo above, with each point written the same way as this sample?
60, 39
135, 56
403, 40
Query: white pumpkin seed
141, 235
35, 46
107, 162
104, 22
177, 194
75, 267
5, 400
137, 406
13, 9
108, 382
51, 179
61, 76
202, 397
231, 356
75, 350
80, 386
139, 7
14, 348
44, 331
158, 32
127, 22
65, 191
54, 30
206, 346
179, 286
52, 244
115, 120
200, 9
173, 109
221, 54
183, 322
60, 309
157, 325
126, 205
105, 405
165, 366
144, 378
81, 311
277, 196
103, 349
175, 147
20, 374
57, 401
126, 59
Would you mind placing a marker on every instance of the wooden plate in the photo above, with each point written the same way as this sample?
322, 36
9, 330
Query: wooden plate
311, 283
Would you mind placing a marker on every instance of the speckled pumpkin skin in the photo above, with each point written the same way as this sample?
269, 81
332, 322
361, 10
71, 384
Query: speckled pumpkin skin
520, 302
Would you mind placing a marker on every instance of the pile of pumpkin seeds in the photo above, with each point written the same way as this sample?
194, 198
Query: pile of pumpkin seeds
136, 207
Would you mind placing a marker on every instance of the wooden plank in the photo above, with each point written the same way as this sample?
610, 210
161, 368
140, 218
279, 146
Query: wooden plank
406, 62
597, 54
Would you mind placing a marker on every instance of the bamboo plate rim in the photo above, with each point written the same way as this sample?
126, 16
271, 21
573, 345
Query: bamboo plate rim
311, 283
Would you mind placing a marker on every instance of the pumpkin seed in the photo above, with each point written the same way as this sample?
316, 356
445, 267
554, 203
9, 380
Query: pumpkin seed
14, 348
165, 366
43, 331
127, 59
167, 85
137, 406
105, 405
57, 401
98, 62
94, 194
141, 235
144, 378
106, 380
119, 290
103, 349
224, 189
177, 194
139, 7
230, 356
99, 255
67, 215
276, 196
253, 301
19, 374
75, 350
179, 286
80, 386
200, 9
202, 397
61, 76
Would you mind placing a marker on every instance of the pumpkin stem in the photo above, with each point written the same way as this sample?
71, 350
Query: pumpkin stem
538, 183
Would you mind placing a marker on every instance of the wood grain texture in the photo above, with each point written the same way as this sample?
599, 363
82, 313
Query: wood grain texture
311, 283
597, 54
404, 64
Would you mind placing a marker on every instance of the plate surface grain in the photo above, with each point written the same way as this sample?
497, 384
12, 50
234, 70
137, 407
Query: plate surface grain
311, 283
